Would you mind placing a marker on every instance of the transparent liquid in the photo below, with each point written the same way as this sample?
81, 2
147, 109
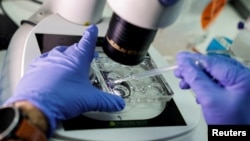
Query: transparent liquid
145, 98
150, 89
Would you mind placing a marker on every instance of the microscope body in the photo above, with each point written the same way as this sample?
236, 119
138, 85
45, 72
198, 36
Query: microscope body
132, 27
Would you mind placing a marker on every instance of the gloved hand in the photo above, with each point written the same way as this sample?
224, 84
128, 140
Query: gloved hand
58, 83
221, 86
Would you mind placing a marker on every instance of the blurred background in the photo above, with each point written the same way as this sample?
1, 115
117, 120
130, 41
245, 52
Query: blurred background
184, 34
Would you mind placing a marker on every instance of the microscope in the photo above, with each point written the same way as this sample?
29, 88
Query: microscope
132, 29
124, 41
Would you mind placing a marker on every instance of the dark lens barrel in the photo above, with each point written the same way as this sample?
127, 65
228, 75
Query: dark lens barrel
126, 43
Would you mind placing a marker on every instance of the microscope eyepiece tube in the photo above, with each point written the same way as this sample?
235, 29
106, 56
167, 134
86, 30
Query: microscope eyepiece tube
126, 43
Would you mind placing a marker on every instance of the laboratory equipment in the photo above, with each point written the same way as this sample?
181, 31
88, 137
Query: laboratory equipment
147, 73
131, 32
236, 48
151, 93
180, 118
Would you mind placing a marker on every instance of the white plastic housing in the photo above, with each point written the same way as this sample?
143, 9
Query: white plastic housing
82, 12
148, 14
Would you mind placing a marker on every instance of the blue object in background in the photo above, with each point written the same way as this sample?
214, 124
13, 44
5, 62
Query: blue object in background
168, 2
219, 45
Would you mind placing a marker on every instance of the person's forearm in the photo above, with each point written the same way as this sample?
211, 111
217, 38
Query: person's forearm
34, 114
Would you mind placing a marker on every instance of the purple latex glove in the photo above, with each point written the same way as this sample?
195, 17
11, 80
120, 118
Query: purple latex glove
221, 86
58, 83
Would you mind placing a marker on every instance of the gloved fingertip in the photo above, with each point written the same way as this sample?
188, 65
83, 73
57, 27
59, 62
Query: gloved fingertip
177, 73
111, 102
121, 103
91, 31
197, 101
44, 55
89, 36
86, 46
96, 55
92, 26
121, 106
184, 85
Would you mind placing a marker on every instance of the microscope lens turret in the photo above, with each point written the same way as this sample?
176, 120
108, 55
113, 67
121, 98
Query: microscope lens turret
127, 43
